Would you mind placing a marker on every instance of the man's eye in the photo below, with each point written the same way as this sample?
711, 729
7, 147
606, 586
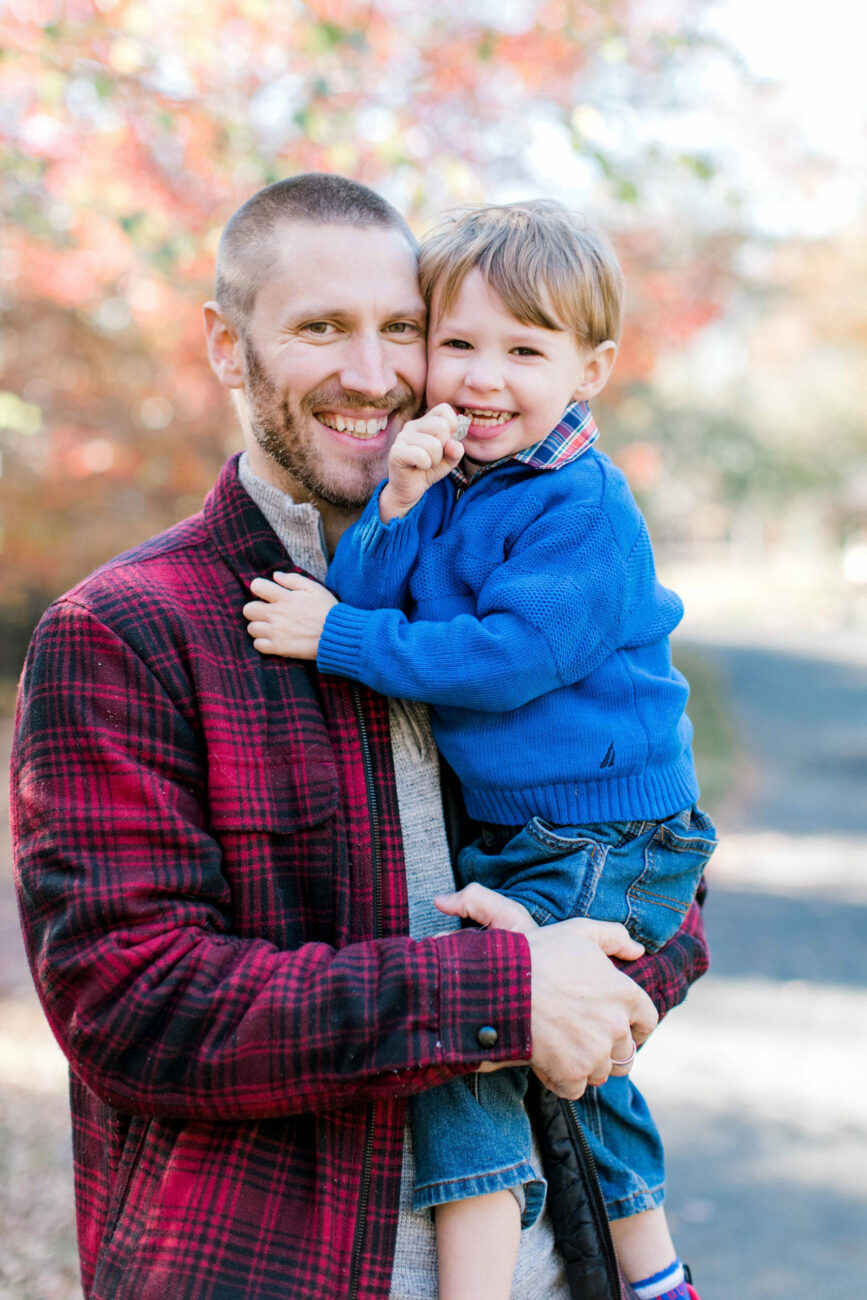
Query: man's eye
319, 327
404, 328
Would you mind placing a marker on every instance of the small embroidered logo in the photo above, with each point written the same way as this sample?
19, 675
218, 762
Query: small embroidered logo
608, 760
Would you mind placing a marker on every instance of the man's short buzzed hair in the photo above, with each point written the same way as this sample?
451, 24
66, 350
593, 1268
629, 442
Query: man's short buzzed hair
246, 245
550, 268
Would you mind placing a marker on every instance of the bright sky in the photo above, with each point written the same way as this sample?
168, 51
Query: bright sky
817, 52
794, 153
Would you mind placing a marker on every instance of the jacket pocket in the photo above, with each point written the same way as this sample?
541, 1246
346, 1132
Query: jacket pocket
133, 1145
284, 855
272, 792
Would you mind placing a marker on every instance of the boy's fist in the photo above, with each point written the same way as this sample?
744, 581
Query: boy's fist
423, 452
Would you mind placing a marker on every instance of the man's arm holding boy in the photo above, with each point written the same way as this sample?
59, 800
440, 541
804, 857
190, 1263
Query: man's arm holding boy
164, 1009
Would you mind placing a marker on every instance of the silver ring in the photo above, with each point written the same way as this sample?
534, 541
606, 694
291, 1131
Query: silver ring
628, 1060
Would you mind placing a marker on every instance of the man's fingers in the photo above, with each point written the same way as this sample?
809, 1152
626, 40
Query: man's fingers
614, 939
584, 1010
486, 907
623, 1056
643, 1016
469, 902
570, 1091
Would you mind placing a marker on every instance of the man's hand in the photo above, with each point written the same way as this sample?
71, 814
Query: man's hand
584, 1011
288, 617
487, 907
422, 453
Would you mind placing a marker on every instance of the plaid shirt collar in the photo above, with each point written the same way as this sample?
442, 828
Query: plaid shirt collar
570, 438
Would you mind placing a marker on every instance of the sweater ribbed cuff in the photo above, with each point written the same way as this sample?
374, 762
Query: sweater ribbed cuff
392, 538
341, 641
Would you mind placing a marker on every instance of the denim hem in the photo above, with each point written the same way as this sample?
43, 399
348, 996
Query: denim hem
648, 1198
523, 1175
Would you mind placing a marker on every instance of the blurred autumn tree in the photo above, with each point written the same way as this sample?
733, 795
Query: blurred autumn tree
132, 130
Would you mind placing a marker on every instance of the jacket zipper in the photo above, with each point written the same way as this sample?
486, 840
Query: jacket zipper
373, 813
597, 1204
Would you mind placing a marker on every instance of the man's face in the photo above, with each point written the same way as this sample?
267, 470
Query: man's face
335, 360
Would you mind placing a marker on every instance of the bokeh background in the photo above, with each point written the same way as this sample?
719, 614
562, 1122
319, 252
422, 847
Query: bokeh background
722, 144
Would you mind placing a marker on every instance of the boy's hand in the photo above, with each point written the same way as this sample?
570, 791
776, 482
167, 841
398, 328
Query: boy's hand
423, 452
288, 617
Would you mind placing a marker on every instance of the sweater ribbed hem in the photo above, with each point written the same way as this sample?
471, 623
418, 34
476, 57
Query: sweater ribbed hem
341, 640
651, 795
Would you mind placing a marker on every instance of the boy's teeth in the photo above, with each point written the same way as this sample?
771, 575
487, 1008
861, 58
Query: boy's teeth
487, 419
360, 428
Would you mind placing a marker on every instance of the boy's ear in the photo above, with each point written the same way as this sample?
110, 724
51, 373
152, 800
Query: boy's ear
598, 365
225, 351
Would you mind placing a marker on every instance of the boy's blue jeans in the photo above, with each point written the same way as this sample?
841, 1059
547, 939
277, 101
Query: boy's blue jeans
472, 1136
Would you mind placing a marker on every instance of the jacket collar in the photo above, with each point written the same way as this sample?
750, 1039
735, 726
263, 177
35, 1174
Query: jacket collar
239, 530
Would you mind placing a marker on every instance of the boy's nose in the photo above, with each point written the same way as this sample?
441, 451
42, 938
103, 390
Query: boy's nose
484, 377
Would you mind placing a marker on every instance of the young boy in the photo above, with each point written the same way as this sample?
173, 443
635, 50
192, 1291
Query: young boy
517, 596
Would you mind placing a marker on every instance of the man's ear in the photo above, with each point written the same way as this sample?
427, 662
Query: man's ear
598, 365
225, 351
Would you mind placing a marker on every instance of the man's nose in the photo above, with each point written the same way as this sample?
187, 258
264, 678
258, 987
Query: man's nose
367, 368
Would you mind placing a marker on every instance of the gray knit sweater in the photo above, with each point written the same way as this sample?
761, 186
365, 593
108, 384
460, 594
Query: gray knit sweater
538, 1274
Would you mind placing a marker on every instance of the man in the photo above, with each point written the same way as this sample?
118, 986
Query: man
210, 844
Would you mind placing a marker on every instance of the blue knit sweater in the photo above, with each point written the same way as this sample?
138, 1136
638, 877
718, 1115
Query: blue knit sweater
525, 609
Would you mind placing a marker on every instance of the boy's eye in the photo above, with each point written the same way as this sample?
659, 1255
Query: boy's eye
526, 352
456, 343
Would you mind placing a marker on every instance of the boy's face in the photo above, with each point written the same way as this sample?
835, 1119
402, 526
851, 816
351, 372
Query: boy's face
513, 380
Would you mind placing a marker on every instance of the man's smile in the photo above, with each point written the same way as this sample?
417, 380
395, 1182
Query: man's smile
359, 428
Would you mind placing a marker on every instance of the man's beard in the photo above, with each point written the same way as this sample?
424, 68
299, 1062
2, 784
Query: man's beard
279, 431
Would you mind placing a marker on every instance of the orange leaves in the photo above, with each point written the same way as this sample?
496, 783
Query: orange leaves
133, 128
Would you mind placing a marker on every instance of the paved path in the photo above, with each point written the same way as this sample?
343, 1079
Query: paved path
758, 1082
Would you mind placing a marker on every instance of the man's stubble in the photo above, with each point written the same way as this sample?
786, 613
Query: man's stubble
279, 425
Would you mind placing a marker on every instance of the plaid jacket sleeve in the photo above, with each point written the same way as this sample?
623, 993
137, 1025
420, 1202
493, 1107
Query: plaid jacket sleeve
667, 974
163, 1001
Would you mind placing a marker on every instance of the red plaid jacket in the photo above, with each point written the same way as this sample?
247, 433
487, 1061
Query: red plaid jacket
209, 860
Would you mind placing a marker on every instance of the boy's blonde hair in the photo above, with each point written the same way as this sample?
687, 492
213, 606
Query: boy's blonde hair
539, 257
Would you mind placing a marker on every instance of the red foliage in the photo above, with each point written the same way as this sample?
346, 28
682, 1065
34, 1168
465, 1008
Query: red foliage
133, 130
